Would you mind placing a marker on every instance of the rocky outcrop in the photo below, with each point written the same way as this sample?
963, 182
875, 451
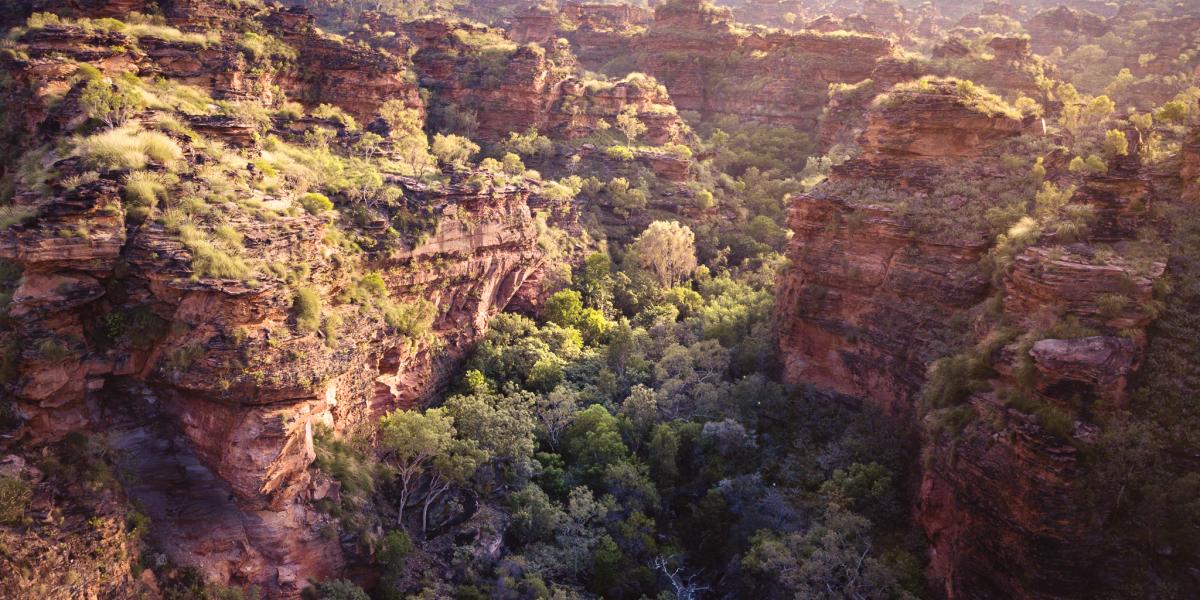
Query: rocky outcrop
866, 306
533, 90
711, 66
1063, 26
875, 297
205, 386
327, 70
928, 126
220, 376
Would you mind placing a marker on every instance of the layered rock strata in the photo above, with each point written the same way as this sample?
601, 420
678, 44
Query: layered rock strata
876, 297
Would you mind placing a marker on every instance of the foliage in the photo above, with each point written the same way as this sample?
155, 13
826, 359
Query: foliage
968, 93
315, 203
340, 589
113, 102
667, 250
453, 150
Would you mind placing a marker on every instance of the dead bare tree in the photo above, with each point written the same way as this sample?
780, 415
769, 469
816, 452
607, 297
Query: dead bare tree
684, 584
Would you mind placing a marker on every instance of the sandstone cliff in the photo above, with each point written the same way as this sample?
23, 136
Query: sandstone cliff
198, 372
895, 267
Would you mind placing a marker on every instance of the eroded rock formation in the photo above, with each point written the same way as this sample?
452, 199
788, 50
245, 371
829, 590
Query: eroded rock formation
878, 294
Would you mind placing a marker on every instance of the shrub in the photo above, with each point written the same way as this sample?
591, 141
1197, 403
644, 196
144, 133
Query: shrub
1115, 143
315, 203
333, 113
182, 358
530, 143
411, 319
453, 149
372, 283
1111, 305
394, 551
677, 150
54, 350
340, 589
1092, 165
113, 103
14, 215
619, 152
307, 306
14, 499
564, 308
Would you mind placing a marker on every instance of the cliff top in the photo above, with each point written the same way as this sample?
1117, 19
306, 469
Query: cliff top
936, 89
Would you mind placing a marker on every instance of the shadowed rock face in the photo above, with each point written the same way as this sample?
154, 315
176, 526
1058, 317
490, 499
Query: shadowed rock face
870, 298
780, 78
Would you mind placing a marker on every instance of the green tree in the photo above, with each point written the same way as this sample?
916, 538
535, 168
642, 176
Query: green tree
393, 552
640, 413
667, 250
535, 518
113, 103
401, 120
500, 425
451, 468
593, 442
410, 441
830, 561
629, 124
340, 589
555, 411
594, 281
564, 307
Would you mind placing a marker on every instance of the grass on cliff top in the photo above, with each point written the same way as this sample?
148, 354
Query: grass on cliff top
969, 94
485, 40
136, 25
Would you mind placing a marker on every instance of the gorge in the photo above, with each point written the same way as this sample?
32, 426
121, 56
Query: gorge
796, 299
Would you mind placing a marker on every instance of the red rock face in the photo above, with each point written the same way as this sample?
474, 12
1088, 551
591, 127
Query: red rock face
1001, 511
711, 67
1061, 26
867, 303
872, 300
242, 388
865, 307
532, 92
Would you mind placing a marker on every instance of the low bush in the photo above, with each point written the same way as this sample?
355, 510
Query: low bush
315, 203
619, 152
